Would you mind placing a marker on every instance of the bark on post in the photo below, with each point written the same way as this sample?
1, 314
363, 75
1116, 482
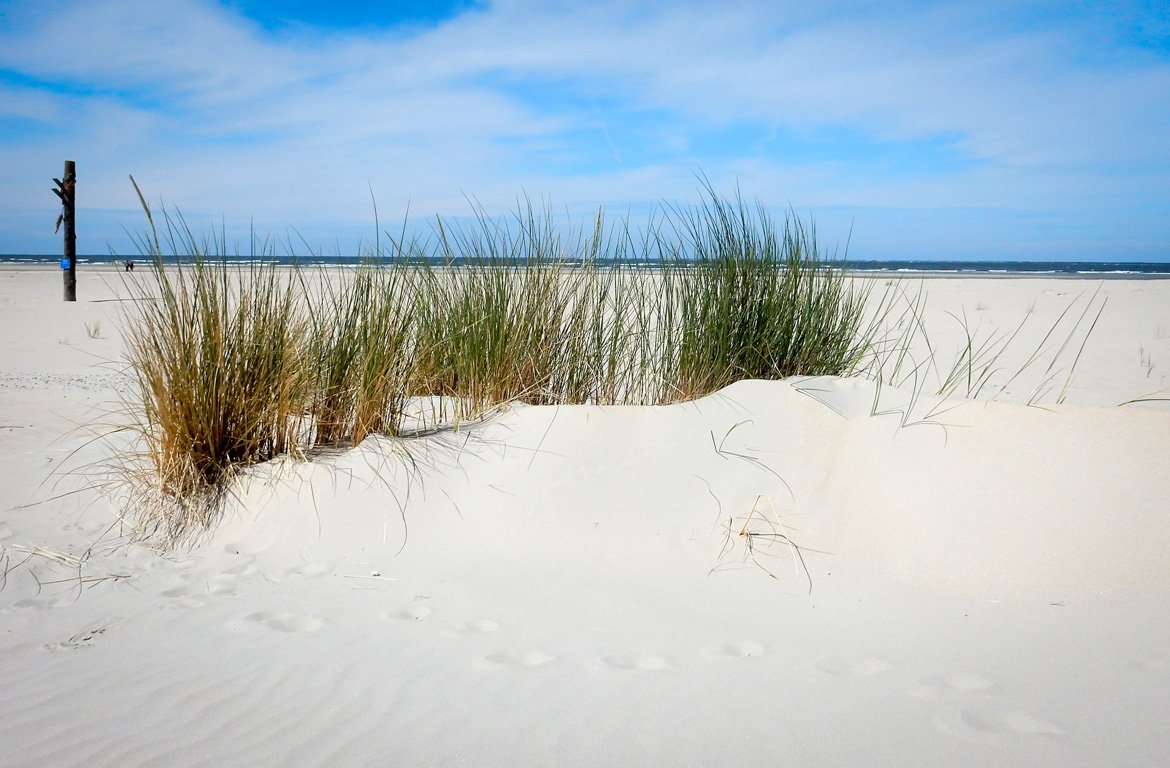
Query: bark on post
66, 190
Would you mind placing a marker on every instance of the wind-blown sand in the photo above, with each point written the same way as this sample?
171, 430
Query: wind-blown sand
976, 584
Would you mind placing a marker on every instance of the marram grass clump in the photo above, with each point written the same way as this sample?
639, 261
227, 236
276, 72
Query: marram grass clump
493, 329
239, 363
356, 355
750, 301
217, 356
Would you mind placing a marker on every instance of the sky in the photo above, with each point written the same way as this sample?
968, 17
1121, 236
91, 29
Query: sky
902, 130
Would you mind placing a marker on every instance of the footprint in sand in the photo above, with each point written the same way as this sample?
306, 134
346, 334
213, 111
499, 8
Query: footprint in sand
742, 649
479, 625
413, 613
309, 571
243, 570
853, 666
520, 659
287, 622
966, 682
1153, 664
184, 597
36, 604
201, 587
638, 662
87, 637
1009, 722
953, 686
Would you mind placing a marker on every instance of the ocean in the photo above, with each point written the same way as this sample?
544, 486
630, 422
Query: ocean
904, 267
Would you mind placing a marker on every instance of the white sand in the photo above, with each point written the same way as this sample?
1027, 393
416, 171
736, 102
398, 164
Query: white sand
567, 586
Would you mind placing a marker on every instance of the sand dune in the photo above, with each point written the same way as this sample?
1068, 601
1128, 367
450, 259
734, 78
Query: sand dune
813, 571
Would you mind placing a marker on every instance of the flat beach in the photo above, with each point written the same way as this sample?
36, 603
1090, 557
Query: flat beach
817, 572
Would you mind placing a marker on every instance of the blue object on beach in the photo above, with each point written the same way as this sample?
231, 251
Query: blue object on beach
64, 263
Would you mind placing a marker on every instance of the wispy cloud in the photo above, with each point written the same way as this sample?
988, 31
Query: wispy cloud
1019, 112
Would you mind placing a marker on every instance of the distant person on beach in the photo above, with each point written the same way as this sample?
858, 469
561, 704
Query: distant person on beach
129, 266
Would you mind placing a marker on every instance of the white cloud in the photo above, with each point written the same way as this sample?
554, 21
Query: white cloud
220, 116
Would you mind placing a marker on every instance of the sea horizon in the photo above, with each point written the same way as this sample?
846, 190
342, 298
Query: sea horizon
895, 266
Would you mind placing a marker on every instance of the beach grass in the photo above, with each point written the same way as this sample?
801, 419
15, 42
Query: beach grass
237, 363
752, 300
357, 354
898, 351
215, 355
496, 328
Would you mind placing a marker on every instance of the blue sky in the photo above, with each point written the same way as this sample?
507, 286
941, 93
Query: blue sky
979, 130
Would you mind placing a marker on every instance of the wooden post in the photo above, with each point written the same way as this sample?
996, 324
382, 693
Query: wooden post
67, 191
